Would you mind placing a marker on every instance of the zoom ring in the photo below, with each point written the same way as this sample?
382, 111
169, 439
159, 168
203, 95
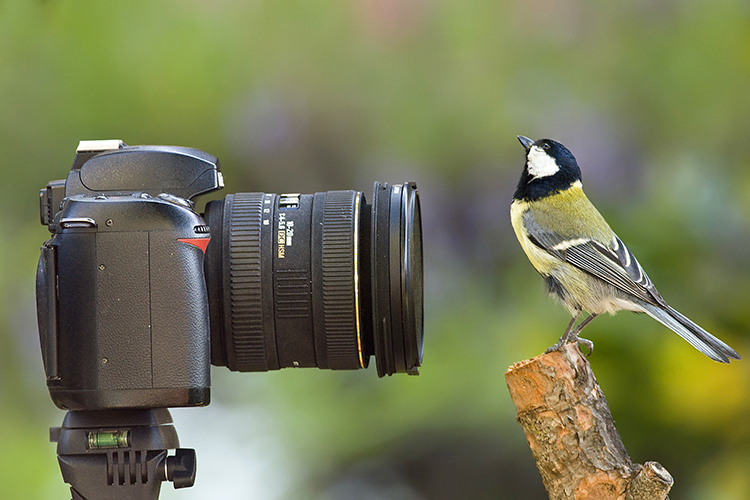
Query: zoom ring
339, 303
245, 279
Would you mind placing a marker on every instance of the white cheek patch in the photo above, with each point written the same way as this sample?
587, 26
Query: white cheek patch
540, 164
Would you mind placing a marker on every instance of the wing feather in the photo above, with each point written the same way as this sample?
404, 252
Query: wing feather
613, 263
590, 258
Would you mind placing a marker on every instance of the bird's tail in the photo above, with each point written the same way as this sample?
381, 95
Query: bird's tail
694, 334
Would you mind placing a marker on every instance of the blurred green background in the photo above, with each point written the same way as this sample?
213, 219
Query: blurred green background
652, 98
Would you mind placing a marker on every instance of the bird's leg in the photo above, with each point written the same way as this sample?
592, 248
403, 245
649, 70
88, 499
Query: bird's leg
584, 342
564, 339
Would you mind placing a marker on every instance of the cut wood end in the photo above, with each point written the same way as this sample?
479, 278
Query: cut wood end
659, 472
530, 381
651, 482
554, 357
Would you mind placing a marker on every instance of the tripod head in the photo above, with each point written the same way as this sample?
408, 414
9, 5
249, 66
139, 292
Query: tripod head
121, 454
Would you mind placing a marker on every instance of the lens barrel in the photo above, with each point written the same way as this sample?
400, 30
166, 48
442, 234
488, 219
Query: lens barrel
326, 280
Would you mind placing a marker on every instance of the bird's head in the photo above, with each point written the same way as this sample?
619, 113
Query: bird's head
550, 167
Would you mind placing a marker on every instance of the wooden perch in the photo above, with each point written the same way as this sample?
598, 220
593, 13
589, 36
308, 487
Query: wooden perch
572, 436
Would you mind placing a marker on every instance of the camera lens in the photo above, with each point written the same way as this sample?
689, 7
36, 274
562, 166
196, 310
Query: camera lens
326, 280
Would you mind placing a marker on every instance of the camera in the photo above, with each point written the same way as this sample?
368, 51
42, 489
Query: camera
137, 295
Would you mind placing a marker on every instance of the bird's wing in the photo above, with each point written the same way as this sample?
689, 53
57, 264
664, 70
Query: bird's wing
617, 265
611, 262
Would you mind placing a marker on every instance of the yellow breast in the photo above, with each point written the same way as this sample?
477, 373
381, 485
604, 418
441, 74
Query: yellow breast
542, 261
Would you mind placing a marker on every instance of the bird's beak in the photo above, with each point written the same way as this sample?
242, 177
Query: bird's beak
525, 142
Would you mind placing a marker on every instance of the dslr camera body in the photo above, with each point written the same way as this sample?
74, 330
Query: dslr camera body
137, 295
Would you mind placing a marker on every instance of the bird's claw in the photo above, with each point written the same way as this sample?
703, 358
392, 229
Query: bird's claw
560, 345
587, 344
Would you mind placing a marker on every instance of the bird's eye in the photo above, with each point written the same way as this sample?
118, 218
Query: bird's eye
546, 145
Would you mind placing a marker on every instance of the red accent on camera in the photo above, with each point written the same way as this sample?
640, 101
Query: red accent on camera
201, 243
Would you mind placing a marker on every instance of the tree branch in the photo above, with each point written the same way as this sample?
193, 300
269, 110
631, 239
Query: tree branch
572, 435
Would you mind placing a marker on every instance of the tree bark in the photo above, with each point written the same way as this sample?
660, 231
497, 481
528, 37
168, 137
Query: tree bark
572, 435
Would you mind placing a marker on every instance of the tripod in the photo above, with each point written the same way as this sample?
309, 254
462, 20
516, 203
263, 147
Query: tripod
121, 454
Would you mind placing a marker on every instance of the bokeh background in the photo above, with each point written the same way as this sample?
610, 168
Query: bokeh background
296, 96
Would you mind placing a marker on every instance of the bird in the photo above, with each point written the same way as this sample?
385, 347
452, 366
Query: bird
583, 262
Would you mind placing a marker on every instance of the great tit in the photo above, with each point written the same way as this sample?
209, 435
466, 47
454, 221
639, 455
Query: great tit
585, 265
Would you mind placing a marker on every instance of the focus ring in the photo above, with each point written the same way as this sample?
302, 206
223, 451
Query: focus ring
246, 317
338, 276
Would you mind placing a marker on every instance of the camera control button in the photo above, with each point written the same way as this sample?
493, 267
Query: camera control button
77, 222
176, 200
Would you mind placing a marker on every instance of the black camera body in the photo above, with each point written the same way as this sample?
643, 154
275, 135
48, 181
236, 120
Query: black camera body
122, 298
137, 295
